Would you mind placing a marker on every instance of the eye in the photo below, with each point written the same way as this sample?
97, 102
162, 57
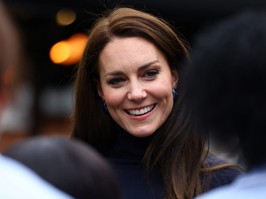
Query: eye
151, 74
117, 81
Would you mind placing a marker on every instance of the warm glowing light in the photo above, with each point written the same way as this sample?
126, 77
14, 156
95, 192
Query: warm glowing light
68, 52
60, 52
77, 43
65, 17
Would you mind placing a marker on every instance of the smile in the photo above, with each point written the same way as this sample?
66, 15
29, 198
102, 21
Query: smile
142, 111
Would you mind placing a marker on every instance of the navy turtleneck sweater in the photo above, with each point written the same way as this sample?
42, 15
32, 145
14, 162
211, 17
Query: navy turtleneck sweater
126, 158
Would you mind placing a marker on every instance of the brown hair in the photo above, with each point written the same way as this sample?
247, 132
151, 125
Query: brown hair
174, 150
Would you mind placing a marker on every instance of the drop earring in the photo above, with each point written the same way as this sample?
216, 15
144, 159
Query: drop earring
105, 107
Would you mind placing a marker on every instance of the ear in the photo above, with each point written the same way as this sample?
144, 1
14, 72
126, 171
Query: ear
175, 78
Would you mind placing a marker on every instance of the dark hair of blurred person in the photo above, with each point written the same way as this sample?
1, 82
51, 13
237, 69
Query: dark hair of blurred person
68, 164
225, 87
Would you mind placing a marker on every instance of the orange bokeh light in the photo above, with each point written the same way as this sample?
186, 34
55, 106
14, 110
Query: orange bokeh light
68, 52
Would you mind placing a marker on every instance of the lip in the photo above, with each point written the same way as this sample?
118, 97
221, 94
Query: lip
140, 111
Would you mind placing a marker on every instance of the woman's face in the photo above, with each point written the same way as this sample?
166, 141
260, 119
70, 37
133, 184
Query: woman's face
136, 83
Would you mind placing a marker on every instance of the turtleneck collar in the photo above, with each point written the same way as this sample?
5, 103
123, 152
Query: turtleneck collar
129, 147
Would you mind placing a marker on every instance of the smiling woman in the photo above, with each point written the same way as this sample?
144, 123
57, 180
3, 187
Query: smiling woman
131, 66
138, 92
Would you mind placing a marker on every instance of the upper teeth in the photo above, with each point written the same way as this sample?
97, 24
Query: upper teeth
141, 111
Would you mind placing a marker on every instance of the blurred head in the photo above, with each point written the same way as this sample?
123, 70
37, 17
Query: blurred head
9, 54
226, 83
70, 165
126, 26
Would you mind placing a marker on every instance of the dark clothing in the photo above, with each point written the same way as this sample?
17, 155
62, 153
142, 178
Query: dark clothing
222, 176
126, 157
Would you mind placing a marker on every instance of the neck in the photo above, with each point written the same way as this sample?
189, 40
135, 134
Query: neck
129, 146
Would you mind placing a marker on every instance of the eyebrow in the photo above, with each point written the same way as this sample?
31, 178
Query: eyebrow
117, 72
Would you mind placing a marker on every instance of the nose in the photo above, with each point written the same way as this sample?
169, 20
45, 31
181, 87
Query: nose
136, 92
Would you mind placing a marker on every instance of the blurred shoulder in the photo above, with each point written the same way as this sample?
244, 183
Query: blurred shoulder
26, 182
218, 172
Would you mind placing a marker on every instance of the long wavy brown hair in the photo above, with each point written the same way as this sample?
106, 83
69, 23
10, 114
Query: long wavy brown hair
176, 150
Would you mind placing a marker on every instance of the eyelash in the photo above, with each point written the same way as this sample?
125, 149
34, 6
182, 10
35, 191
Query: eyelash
151, 74
148, 75
116, 81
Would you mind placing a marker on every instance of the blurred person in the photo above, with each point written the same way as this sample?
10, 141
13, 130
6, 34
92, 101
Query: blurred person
15, 94
127, 107
16, 180
68, 164
46, 168
225, 86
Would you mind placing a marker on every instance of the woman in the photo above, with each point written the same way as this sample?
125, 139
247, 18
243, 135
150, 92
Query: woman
126, 106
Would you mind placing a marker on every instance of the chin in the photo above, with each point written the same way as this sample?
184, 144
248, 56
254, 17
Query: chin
141, 134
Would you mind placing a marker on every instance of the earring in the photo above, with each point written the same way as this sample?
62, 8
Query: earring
174, 93
105, 107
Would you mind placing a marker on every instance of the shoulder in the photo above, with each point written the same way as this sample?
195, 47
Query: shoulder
26, 183
218, 172
249, 185
221, 193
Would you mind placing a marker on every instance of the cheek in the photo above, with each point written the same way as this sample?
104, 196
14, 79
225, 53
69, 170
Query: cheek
166, 100
163, 90
113, 98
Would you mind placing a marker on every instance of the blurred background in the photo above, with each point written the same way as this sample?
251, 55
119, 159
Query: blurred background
53, 37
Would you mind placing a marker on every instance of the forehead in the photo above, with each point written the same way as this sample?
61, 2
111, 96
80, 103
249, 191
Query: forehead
132, 51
